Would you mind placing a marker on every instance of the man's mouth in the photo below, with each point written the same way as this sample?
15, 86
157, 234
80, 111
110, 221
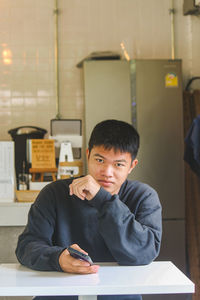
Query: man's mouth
105, 183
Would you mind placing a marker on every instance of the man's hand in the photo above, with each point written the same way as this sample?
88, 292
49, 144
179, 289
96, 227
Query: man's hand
70, 264
85, 187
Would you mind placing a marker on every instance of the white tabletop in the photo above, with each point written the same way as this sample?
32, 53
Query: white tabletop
155, 278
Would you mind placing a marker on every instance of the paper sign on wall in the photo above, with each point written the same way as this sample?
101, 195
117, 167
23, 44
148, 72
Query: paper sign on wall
7, 172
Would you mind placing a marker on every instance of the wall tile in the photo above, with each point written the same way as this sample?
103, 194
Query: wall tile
27, 31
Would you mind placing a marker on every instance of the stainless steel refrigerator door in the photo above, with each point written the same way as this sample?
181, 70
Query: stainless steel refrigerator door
107, 92
173, 243
159, 122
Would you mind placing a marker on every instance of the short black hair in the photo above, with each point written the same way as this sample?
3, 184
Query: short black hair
114, 134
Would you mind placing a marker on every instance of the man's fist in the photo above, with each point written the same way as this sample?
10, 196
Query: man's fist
84, 187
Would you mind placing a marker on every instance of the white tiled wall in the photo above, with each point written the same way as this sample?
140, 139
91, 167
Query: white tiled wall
27, 70
27, 74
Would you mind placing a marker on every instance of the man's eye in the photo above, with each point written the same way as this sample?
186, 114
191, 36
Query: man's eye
119, 165
100, 160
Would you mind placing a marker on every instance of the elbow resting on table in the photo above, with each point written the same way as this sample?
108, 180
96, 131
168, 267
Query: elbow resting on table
144, 257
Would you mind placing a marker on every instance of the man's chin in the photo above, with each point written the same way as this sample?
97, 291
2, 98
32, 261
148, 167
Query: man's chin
110, 190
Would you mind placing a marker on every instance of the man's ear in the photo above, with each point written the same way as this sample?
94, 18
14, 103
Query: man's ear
87, 153
133, 164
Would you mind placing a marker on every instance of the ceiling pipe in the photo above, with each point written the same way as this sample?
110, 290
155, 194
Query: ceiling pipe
56, 12
172, 12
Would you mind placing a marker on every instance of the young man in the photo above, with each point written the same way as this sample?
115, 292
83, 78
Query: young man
104, 214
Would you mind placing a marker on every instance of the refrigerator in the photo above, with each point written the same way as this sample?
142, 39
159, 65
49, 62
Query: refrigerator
148, 94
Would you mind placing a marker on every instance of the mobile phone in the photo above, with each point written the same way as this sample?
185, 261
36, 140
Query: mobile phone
77, 254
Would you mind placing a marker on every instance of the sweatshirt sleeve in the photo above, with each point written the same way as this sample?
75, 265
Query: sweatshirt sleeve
35, 247
131, 232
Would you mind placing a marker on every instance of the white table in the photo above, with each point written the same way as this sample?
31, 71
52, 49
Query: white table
155, 278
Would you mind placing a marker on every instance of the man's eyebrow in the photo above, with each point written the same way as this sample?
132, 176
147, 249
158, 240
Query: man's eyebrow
117, 160
121, 160
99, 155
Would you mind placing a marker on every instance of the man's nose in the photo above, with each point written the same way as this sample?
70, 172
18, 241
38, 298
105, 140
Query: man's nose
107, 170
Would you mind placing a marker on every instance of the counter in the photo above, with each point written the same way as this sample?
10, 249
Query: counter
14, 213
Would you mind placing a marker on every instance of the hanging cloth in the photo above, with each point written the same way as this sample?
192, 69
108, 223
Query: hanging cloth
192, 146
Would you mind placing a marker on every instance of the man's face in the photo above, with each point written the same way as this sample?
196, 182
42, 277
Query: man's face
109, 168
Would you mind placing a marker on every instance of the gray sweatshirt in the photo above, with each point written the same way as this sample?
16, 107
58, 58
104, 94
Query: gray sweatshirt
125, 228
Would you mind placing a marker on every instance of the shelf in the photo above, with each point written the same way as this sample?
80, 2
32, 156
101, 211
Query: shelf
14, 213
